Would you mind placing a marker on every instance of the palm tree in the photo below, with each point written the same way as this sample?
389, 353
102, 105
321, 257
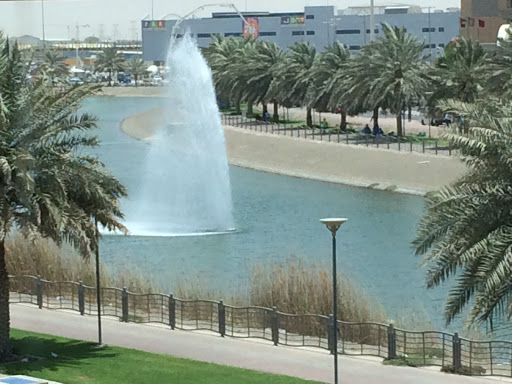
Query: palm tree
136, 67
500, 69
327, 92
53, 66
294, 77
111, 61
49, 186
466, 230
393, 72
257, 63
460, 74
222, 55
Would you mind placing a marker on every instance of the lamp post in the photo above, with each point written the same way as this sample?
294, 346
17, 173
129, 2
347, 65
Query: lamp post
333, 225
98, 286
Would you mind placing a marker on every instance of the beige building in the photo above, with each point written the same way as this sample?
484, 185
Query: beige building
481, 19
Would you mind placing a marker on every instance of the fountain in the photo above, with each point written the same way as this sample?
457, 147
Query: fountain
186, 187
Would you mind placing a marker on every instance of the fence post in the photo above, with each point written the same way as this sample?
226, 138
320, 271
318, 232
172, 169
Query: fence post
172, 311
346, 136
423, 145
399, 140
436, 147
410, 146
39, 292
391, 342
222, 319
81, 298
449, 149
275, 326
456, 353
124, 304
330, 334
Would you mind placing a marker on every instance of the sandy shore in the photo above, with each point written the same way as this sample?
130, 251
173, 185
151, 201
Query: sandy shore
383, 169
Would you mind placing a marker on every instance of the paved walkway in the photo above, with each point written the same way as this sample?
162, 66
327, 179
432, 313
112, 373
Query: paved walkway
304, 363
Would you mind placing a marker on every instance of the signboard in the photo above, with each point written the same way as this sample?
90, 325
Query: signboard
153, 24
251, 27
292, 20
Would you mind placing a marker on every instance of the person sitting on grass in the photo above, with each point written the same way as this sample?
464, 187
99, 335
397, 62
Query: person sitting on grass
366, 130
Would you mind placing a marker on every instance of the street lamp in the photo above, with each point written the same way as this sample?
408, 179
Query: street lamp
333, 225
98, 285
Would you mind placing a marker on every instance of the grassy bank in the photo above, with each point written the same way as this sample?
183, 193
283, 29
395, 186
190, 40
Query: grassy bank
80, 362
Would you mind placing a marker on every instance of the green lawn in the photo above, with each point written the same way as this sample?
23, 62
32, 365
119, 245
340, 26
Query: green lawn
80, 362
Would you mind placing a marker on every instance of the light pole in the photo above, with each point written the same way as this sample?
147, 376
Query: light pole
98, 286
372, 21
333, 225
42, 20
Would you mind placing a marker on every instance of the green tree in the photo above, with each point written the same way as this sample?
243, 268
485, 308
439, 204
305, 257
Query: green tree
328, 83
460, 74
111, 61
53, 67
389, 72
257, 63
49, 186
136, 67
500, 69
294, 77
223, 55
466, 230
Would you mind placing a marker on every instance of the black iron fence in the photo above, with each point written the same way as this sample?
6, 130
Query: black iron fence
421, 145
425, 348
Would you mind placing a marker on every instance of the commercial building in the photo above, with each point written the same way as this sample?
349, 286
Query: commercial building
481, 19
320, 25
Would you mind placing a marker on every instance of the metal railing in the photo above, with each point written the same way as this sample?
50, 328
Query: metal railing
421, 348
423, 145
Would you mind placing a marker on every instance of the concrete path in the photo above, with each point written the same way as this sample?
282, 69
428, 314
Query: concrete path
304, 363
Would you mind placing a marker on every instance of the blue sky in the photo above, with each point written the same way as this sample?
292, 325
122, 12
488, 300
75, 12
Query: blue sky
121, 17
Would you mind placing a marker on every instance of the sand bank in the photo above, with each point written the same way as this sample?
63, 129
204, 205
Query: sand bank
383, 169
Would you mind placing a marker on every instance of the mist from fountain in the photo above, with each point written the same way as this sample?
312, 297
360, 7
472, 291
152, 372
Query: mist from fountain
186, 187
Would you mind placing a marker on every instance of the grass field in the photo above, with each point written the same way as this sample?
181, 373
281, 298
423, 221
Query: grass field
79, 362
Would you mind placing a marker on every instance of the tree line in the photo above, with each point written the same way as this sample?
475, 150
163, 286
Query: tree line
391, 73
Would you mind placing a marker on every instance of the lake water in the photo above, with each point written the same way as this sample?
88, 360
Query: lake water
276, 217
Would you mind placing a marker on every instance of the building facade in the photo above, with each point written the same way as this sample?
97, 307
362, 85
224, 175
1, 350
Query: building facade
482, 19
320, 25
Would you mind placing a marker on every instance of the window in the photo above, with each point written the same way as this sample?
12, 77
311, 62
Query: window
354, 48
441, 29
268, 33
232, 34
368, 31
441, 45
310, 17
310, 33
203, 35
348, 32
427, 46
297, 33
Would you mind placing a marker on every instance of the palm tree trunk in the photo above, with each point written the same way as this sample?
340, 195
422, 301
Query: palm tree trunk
109, 78
238, 105
399, 123
136, 76
309, 118
265, 108
343, 124
5, 346
249, 108
409, 112
276, 112
375, 117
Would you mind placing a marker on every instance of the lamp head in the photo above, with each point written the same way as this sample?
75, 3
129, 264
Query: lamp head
333, 224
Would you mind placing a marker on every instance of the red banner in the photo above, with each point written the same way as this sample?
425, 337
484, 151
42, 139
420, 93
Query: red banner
251, 27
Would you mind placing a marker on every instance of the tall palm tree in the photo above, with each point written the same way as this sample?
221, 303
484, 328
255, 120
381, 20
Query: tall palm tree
466, 230
257, 62
53, 66
460, 74
222, 55
136, 67
111, 61
326, 92
294, 77
500, 69
394, 72
48, 185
